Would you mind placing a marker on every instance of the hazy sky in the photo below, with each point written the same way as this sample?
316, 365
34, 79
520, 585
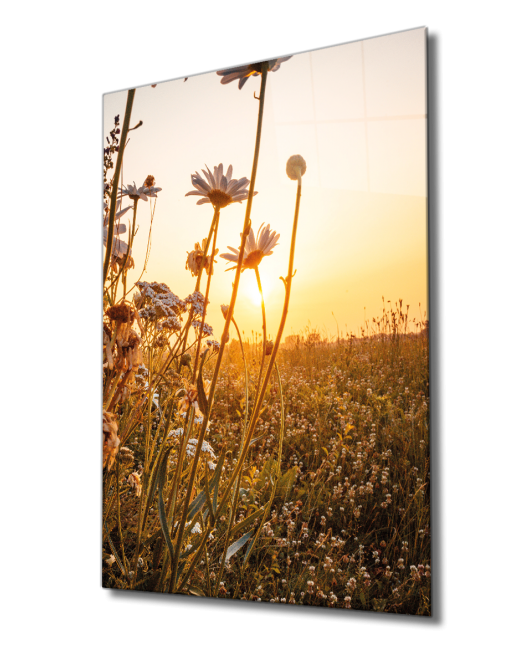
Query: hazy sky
357, 114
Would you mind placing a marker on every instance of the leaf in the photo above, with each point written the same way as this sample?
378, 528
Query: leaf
195, 591
235, 547
286, 482
216, 479
114, 551
161, 507
203, 401
196, 505
199, 501
248, 520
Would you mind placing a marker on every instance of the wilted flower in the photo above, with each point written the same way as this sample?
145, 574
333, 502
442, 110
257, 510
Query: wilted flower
224, 310
296, 167
244, 72
218, 189
111, 441
190, 399
197, 259
269, 346
149, 183
134, 481
255, 250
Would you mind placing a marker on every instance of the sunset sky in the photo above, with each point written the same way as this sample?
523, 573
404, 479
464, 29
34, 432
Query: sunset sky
357, 114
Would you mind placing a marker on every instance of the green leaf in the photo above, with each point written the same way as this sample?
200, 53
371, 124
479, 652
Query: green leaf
114, 551
216, 479
203, 401
248, 520
286, 482
199, 501
161, 507
235, 547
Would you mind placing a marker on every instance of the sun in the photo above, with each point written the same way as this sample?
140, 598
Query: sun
252, 291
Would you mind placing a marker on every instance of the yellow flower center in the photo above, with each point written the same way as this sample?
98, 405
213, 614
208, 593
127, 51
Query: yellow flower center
219, 198
253, 259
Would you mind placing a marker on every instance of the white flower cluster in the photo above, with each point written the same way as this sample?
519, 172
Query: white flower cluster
205, 448
206, 329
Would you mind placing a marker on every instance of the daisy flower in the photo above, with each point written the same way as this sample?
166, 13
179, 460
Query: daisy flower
255, 250
119, 247
244, 72
218, 189
135, 193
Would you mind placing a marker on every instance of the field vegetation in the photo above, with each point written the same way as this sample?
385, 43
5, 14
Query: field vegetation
291, 470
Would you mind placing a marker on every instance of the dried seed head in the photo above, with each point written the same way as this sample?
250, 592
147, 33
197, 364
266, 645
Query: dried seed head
296, 167
121, 313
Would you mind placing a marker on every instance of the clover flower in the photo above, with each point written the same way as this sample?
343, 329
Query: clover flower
218, 189
244, 72
255, 250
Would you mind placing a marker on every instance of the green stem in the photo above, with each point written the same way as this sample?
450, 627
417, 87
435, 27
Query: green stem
183, 341
206, 294
264, 325
115, 181
224, 338
259, 400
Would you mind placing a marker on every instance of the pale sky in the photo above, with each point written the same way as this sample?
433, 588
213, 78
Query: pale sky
357, 114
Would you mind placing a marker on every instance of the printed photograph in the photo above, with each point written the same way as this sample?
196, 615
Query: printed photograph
265, 351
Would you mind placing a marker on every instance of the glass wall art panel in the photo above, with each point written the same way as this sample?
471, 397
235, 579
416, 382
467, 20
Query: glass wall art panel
266, 332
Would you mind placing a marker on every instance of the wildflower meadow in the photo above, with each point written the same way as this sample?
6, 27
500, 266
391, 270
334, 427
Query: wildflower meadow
279, 463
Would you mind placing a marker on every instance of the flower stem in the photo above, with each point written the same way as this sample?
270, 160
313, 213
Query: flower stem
184, 340
256, 269
224, 338
115, 181
206, 293
261, 396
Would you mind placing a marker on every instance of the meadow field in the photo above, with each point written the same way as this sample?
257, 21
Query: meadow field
275, 467
333, 494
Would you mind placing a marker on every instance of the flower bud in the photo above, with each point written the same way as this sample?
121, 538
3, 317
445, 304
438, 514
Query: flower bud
296, 167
